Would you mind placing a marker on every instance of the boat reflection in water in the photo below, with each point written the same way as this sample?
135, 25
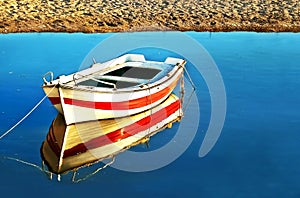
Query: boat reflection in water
69, 147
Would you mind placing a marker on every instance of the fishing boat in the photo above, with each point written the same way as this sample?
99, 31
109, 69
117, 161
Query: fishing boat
69, 147
121, 87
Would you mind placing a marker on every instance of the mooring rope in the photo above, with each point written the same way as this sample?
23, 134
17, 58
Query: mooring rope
194, 88
189, 77
19, 122
181, 92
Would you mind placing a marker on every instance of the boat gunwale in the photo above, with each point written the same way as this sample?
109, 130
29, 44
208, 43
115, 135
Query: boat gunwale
141, 87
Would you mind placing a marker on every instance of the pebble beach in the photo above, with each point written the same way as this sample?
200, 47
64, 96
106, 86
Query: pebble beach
92, 16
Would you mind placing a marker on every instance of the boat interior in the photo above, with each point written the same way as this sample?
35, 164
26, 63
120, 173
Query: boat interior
124, 77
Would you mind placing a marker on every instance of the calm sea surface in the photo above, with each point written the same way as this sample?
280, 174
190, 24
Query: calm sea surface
257, 154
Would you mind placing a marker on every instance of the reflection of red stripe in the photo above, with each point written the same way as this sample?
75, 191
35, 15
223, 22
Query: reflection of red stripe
53, 142
124, 105
125, 132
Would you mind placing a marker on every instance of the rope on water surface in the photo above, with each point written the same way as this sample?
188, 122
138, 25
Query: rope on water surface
19, 122
29, 164
93, 173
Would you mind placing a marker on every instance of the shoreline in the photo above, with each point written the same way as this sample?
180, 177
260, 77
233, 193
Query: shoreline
100, 16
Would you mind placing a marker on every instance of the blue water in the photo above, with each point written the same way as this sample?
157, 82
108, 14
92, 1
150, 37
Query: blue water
257, 154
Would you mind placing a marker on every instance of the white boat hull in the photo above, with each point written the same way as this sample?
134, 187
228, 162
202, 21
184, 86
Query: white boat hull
81, 103
81, 106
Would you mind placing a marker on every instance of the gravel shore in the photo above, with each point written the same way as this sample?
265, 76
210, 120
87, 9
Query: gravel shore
148, 15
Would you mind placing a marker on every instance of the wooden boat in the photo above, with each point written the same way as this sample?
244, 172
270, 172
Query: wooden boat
118, 88
68, 147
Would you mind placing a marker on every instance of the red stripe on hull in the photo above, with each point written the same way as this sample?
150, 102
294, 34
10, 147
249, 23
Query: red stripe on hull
124, 105
54, 100
125, 132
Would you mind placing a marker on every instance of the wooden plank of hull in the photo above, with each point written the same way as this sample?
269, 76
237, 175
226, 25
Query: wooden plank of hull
88, 142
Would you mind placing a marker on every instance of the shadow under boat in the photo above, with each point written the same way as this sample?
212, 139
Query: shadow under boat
70, 147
